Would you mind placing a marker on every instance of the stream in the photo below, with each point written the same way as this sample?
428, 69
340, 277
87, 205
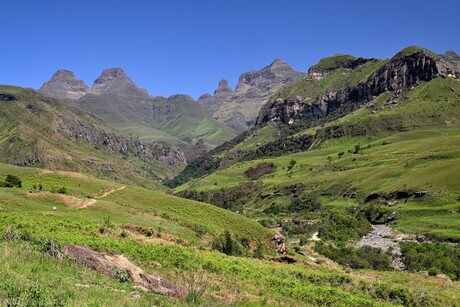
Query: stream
378, 238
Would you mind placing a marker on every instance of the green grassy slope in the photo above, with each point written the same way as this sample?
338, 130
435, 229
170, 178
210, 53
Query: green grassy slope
177, 121
176, 249
36, 130
181, 116
413, 145
179, 218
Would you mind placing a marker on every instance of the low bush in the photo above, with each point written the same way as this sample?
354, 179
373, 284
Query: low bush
434, 258
357, 258
227, 244
11, 181
121, 275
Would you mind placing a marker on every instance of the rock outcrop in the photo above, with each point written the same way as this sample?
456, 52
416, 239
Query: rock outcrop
64, 85
115, 81
405, 70
109, 264
223, 89
239, 109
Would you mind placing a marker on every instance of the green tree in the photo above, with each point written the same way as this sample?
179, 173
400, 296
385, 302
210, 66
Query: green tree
13, 181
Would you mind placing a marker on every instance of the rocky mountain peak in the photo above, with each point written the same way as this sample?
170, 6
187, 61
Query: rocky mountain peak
453, 58
115, 81
451, 54
63, 74
64, 85
223, 88
277, 71
238, 109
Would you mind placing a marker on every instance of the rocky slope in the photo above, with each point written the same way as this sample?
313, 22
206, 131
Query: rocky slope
41, 131
239, 108
405, 70
64, 85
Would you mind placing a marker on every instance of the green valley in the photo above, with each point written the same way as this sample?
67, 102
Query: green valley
93, 216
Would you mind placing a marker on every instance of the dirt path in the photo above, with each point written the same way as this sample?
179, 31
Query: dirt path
92, 201
105, 194
87, 203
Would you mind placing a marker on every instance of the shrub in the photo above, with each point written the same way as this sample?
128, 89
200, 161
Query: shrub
62, 190
342, 227
51, 247
12, 181
356, 149
291, 164
121, 274
434, 258
433, 271
195, 285
10, 233
306, 203
226, 244
357, 258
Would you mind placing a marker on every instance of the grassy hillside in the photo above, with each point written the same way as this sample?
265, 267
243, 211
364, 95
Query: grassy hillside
181, 116
177, 121
410, 145
158, 232
40, 131
177, 217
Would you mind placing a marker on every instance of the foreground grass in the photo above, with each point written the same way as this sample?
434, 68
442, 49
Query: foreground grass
30, 277
175, 250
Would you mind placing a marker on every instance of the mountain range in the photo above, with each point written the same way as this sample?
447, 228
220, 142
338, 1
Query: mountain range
177, 121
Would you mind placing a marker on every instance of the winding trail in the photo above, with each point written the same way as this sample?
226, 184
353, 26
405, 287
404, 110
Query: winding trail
92, 201
105, 194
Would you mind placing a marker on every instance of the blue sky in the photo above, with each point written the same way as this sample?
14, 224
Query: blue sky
171, 47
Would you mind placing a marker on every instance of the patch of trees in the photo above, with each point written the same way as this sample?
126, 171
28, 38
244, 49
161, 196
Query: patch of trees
260, 170
233, 245
198, 167
435, 258
280, 147
357, 258
232, 199
11, 181
341, 227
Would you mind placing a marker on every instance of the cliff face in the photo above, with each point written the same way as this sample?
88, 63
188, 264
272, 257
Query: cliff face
75, 128
238, 109
402, 72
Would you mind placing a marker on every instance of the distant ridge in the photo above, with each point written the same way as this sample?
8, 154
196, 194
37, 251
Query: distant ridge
239, 108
